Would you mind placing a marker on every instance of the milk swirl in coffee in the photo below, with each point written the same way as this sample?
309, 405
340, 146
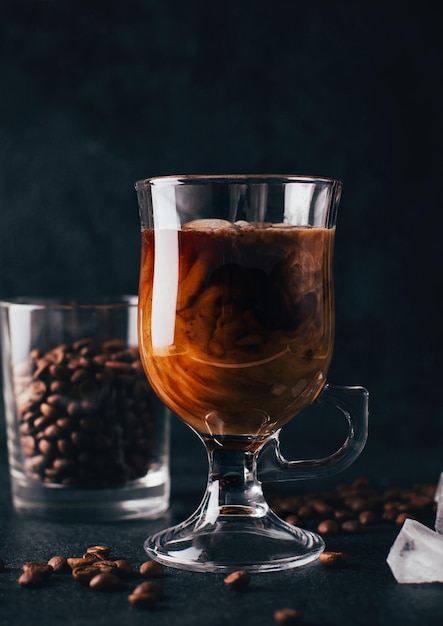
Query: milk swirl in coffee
236, 324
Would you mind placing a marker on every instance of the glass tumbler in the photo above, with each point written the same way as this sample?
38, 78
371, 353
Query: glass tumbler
87, 438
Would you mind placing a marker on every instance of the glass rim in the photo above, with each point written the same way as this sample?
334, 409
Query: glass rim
174, 180
55, 303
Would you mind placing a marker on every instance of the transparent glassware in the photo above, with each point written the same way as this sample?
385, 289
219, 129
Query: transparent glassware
87, 438
236, 325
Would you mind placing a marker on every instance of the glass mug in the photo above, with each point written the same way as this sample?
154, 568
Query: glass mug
236, 324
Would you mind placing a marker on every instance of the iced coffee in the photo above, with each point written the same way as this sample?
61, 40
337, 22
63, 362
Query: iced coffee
236, 323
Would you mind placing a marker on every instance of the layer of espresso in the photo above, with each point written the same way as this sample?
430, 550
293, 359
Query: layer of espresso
251, 315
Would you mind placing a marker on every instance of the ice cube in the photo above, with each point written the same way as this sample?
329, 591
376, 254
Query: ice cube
439, 488
243, 224
207, 224
439, 515
416, 555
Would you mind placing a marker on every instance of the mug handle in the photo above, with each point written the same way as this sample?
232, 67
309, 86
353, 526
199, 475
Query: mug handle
353, 403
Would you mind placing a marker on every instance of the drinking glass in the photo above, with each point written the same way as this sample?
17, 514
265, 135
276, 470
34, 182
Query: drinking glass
236, 322
87, 438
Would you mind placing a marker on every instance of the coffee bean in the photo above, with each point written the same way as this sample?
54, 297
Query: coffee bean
36, 567
75, 562
59, 372
86, 415
328, 527
322, 508
142, 600
66, 448
47, 448
402, 517
28, 445
351, 526
113, 345
306, 511
41, 422
37, 390
59, 564
332, 559
368, 517
85, 574
361, 502
342, 515
420, 502
287, 617
149, 587
86, 342
48, 410
238, 580
31, 580
358, 504
100, 552
35, 465
2, 565
124, 568
294, 520
151, 569
105, 566
105, 581
55, 400
52, 431
119, 367
58, 387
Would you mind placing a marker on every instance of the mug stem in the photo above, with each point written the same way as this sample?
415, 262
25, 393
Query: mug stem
234, 528
233, 487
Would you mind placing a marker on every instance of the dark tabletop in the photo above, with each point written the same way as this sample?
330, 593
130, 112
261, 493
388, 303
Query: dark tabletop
364, 592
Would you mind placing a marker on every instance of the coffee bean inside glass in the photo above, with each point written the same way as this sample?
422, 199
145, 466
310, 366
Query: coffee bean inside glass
236, 329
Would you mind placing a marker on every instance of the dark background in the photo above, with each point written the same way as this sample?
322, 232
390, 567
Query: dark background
96, 94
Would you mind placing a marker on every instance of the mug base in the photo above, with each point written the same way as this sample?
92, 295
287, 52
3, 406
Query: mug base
235, 541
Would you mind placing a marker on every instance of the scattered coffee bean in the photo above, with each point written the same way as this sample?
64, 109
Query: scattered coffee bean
32, 579
142, 600
36, 567
420, 502
328, 527
359, 502
105, 581
99, 552
79, 562
342, 515
84, 575
294, 520
151, 569
238, 580
85, 414
306, 510
59, 564
149, 587
287, 617
124, 568
322, 508
402, 517
333, 559
105, 566
352, 526
391, 515
367, 518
